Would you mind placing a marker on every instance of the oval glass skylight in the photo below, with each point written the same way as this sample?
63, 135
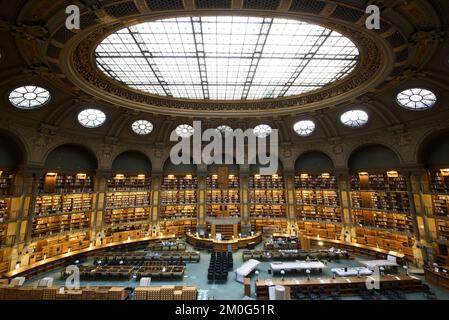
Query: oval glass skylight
304, 128
91, 118
184, 131
29, 97
262, 131
142, 127
226, 57
354, 118
224, 130
416, 99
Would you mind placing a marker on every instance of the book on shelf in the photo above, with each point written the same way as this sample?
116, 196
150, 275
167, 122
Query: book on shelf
266, 182
129, 215
382, 220
6, 183
178, 212
378, 181
318, 198
4, 209
66, 183
223, 210
439, 182
213, 182
267, 196
58, 224
268, 211
65, 203
441, 205
128, 199
318, 213
178, 197
176, 182
324, 181
121, 182
379, 200
223, 196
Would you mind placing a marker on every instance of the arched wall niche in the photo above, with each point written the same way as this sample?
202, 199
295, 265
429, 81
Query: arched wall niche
12, 152
373, 157
314, 162
255, 168
434, 150
132, 162
71, 157
170, 168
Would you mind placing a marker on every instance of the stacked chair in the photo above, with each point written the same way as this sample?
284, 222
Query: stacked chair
219, 266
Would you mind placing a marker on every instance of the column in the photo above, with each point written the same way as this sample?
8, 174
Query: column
201, 195
422, 201
289, 180
342, 175
156, 182
245, 224
99, 206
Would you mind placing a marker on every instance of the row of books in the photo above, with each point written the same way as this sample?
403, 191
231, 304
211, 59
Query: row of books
128, 199
266, 182
380, 181
66, 203
316, 182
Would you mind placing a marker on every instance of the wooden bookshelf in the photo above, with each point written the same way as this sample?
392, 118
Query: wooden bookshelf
3, 234
57, 245
269, 226
440, 205
128, 199
177, 182
126, 216
121, 182
385, 240
223, 196
6, 183
4, 210
223, 210
62, 203
266, 182
177, 227
60, 183
267, 197
314, 213
268, 211
178, 202
378, 200
320, 229
381, 208
439, 182
442, 230
53, 225
316, 182
178, 212
178, 197
212, 182
318, 202
391, 221
391, 181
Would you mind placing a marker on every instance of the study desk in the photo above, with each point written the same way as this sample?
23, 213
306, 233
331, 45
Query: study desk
297, 265
346, 285
60, 260
224, 245
375, 264
439, 278
358, 248
350, 272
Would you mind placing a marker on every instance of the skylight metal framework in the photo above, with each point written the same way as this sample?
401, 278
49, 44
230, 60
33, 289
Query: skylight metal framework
226, 57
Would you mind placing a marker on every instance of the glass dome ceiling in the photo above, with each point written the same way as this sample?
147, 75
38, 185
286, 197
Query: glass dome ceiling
226, 58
